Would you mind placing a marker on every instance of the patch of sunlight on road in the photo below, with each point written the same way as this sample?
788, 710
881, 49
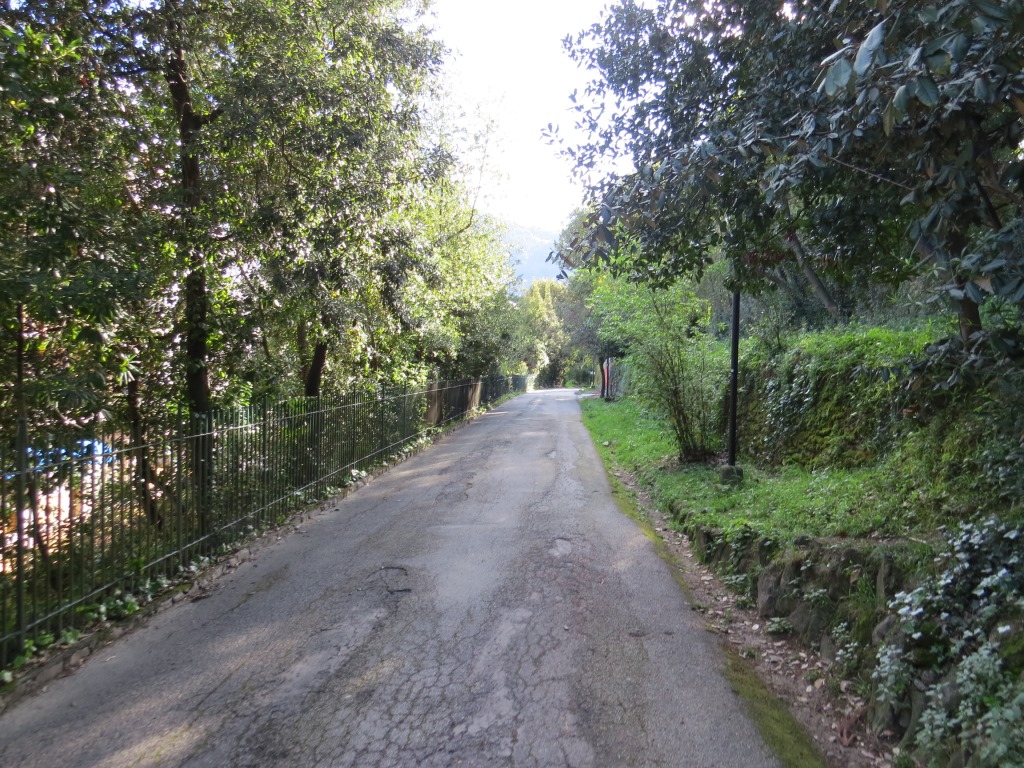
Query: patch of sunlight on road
170, 746
630, 552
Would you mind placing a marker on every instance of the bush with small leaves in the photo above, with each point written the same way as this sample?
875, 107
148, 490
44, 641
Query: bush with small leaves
958, 640
778, 625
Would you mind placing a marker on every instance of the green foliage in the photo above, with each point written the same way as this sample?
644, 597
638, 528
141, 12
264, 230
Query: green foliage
975, 414
951, 670
958, 638
462, 318
581, 376
676, 366
848, 650
928, 85
778, 625
546, 345
776, 504
69, 635
638, 438
1002, 453
806, 143
959, 441
855, 398
555, 339
704, 113
211, 205
830, 399
71, 240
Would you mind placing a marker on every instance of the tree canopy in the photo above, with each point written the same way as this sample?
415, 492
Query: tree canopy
211, 203
839, 145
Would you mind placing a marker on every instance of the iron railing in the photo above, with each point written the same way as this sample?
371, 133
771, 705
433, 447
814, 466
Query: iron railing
87, 528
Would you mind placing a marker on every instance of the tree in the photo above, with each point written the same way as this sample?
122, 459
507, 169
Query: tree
935, 95
462, 307
69, 258
675, 366
547, 351
273, 144
751, 133
696, 105
344, 159
210, 204
581, 321
219, 203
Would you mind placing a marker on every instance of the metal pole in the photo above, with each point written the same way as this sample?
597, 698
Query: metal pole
734, 384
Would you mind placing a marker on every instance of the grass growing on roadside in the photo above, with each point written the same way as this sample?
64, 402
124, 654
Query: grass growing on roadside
780, 504
639, 440
782, 733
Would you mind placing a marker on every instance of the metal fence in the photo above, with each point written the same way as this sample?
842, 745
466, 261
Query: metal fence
88, 526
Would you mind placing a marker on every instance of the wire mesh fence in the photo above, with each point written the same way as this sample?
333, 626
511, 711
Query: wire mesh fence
90, 525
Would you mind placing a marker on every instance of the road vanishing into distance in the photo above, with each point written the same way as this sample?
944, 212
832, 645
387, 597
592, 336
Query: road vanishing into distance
484, 603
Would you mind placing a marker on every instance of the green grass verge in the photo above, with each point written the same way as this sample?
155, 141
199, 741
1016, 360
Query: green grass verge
781, 504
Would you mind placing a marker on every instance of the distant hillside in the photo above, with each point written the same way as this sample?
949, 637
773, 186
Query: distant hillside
530, 249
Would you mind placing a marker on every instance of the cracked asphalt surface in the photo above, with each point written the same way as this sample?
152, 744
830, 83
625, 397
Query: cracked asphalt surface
483, 604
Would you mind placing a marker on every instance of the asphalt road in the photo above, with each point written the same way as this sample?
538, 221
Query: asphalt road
482, 604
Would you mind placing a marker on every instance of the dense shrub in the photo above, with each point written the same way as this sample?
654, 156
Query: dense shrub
951, 670
675, 365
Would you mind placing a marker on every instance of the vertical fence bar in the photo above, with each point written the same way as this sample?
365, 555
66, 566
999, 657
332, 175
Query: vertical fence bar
382, 427
322, 403
270, 475
356, 437
21, 447
179, 488
6, 617
125, 521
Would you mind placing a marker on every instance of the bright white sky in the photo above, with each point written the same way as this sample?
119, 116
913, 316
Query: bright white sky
509, 62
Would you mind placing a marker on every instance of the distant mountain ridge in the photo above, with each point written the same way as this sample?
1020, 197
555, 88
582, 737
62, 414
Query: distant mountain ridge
530, 249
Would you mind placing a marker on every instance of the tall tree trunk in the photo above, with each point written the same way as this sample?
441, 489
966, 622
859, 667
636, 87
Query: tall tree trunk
813, 279
144, 476
968, 311
315, 371
302, 342
195, 296
314, 377
196, 311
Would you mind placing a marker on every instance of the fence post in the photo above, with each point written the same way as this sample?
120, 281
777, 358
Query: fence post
22, 504
202, 478
406, 433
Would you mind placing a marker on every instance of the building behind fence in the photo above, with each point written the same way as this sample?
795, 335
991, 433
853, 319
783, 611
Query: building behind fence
89, 525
